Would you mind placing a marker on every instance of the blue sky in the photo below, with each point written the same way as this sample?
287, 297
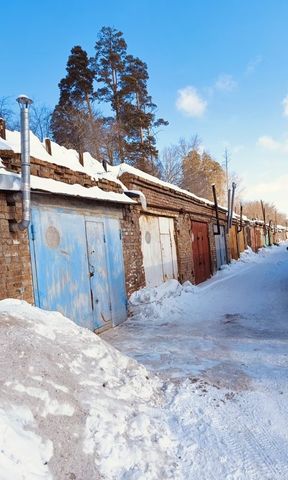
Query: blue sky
217, 68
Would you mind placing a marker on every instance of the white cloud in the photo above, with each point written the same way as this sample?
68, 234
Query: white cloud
253, 64
274, 191
225, 83
268, 143
277, 185
285, 104
190, 103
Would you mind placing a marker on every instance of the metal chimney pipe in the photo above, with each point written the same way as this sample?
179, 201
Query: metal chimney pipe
228, 208
24, 103
232, 203
216, 209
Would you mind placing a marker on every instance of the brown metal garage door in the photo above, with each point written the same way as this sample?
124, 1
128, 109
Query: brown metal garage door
234, 251
201, 251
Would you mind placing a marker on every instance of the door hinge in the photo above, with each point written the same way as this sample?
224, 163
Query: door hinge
104, 238
110, 306
32, 229
120, 233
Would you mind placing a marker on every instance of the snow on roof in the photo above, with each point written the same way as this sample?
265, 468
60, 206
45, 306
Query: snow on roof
76, 190
62, 156
37, 150
4, 145
54, 186
119, 170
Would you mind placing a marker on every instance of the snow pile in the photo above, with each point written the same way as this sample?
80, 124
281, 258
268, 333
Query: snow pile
248, 256
71, 406
170, 289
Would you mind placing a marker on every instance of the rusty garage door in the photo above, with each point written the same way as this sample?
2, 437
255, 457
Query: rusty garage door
241, 241
234, 251
158, 249
201, 251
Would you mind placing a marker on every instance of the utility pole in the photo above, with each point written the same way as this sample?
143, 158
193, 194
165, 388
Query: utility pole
226, 162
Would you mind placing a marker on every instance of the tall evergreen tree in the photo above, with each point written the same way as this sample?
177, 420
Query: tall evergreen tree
109, 65
139, 115
73, 121
77, 86
123, 80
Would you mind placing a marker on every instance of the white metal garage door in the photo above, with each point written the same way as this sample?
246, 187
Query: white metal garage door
158, 249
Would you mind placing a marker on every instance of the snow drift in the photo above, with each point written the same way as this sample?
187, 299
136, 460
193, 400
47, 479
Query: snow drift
71, 406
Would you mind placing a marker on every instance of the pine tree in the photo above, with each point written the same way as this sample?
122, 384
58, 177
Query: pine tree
73, 122
77, 86
139, 115
123, 80
109, 65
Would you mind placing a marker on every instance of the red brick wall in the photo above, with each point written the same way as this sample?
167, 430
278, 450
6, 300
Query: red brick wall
183, 234
15, 264
15, 258
167, 202
43, 169
132, 253
212, 245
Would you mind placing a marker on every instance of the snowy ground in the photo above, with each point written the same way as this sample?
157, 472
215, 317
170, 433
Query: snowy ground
222, 347
207, 399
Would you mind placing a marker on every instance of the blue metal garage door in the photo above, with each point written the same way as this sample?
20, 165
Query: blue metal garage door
77, 266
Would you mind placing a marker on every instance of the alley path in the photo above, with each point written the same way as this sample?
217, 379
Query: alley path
223, 349
230, 329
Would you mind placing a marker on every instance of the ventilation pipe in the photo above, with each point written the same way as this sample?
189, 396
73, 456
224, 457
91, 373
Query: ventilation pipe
140, 195
270, 233
264, 216
24, 103
228, 208
241, 220
232, 203
216, 210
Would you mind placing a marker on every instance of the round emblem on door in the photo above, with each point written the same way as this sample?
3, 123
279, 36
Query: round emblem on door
148, 237
52, 237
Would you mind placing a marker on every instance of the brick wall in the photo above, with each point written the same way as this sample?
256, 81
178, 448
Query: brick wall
183, 234
132, 253
212, 245
43, 169
165, 201
15, 264
17, 280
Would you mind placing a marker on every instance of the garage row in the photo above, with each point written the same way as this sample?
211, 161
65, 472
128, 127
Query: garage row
95, 236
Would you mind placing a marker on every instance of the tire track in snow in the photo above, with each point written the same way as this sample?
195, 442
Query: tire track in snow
226, 440
254, 448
